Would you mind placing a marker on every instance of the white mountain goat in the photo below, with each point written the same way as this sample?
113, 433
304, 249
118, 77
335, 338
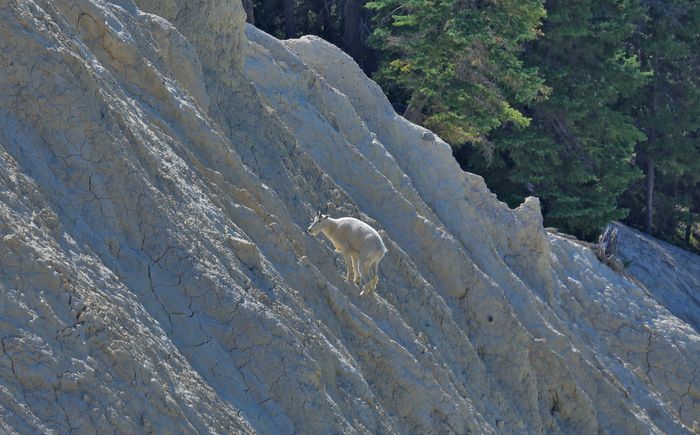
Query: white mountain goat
359, 243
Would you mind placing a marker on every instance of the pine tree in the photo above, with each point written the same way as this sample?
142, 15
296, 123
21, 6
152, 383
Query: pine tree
577, 154
453, 65
668, 110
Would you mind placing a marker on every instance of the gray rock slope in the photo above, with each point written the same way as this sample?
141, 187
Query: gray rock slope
159, 164
671, 274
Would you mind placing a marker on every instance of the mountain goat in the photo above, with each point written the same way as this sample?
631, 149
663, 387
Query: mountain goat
360, 244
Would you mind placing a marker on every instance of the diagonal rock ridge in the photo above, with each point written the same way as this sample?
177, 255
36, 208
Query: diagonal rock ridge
159, 164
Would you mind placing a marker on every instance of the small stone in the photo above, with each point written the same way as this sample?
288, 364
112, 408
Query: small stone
12, 241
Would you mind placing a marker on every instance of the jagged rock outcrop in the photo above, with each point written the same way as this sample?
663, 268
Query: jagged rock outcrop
159, 164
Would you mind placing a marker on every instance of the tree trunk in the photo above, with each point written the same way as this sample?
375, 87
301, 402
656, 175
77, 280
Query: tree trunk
290, 21
650, 195
249, 8
352, 29
653, 139
414, 111
327, 31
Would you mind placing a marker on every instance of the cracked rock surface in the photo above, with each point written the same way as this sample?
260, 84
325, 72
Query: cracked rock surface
670, 274
159, 164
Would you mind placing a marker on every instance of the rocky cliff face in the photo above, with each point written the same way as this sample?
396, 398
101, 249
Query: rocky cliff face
670, 274
159, 164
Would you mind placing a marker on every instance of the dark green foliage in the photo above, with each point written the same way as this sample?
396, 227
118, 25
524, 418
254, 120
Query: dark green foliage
345, 23
453, 64
577, 154
667, 109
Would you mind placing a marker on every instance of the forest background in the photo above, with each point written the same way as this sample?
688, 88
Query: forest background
591, 105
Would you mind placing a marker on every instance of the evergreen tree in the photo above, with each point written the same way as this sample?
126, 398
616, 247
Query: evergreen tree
453, 65
668, 110
577, 155
344, 23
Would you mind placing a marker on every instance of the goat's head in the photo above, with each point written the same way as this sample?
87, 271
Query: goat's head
319, 221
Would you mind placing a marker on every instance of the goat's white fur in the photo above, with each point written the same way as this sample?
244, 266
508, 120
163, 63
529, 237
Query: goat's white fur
360, 244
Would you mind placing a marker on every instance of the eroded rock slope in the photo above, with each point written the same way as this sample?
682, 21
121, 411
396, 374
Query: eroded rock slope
159, 163
671, 274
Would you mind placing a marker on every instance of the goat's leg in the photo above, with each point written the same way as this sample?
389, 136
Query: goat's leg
375, 274
365, 269
355, 266
348, 264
